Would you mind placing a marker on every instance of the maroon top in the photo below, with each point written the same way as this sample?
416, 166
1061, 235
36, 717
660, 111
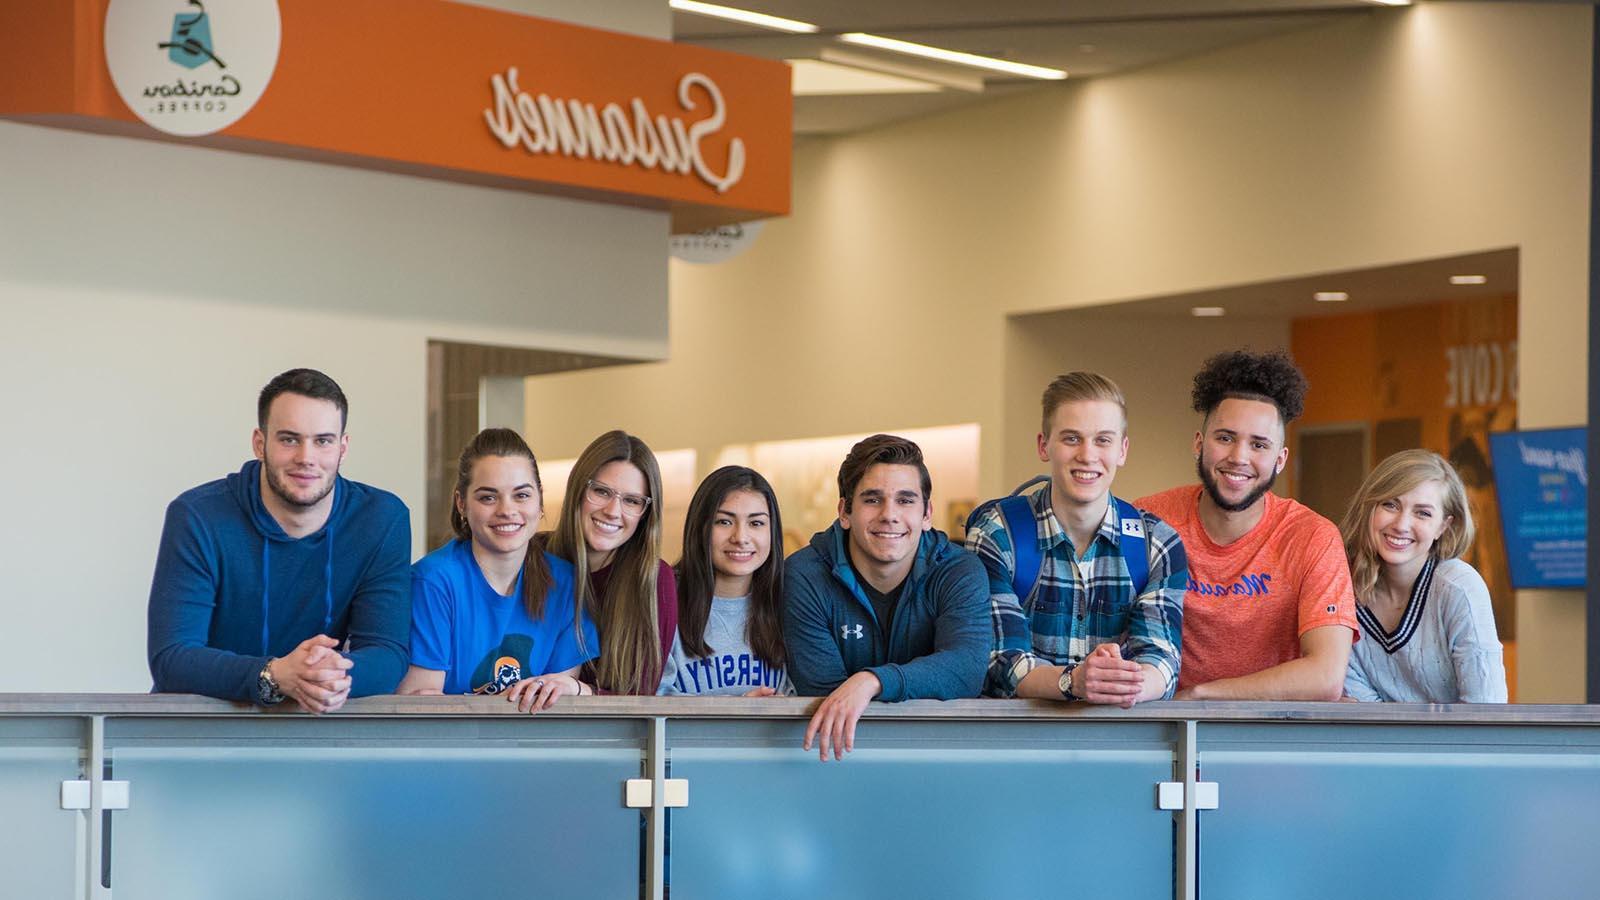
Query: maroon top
666, 616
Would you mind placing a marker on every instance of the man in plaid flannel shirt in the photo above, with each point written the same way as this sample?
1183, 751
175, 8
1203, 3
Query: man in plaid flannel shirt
1081, 634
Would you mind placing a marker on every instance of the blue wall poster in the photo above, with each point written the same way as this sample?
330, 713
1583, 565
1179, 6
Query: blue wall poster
1542, 478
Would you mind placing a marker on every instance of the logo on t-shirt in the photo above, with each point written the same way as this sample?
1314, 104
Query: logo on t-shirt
503, 666
850, 631
1247, 585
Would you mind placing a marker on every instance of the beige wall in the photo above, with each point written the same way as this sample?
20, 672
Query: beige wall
881, 303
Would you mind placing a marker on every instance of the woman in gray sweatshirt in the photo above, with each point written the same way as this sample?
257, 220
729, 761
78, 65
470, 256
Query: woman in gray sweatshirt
730, 589
1427, 627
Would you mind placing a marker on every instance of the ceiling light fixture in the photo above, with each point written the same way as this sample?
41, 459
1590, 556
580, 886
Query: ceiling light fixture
952, 56
1206, 312
820, 78
1330, 296
1469, 279
760, 20
960, 81
1390, 2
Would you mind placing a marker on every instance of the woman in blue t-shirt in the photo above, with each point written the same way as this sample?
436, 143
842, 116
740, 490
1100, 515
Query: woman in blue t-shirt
730, 591
489, 616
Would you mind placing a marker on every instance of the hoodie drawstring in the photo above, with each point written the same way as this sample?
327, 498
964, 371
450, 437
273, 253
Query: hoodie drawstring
266, 586
327, 581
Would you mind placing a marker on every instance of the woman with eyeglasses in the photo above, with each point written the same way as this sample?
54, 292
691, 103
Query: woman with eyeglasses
730, 580
490, 613
610, 531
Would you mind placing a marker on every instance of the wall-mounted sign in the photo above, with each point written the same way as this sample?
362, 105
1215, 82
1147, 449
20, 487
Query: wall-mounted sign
424, 87
191, 68
1542, 478
715, 245
578, 129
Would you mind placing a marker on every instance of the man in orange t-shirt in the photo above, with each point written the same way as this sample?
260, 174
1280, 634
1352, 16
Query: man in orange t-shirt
1270, 612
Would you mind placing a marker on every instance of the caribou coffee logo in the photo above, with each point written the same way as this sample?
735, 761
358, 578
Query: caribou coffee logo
191, 68
714, 245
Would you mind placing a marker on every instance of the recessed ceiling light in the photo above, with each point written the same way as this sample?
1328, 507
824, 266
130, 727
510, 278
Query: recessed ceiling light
815, 77
1206, 312
1390, 2
761, 20
953, 56
1469, 279
1330, 296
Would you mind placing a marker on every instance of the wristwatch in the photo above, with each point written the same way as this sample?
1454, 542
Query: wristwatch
267, 692
1065, 684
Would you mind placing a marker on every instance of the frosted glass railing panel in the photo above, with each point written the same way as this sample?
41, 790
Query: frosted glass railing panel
766, 819
40, 850
1368, 813
411, 818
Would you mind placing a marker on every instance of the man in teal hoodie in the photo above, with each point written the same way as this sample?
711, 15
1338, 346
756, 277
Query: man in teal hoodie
882, 606
284, 580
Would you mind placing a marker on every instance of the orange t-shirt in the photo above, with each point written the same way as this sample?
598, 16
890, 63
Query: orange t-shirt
1249, 602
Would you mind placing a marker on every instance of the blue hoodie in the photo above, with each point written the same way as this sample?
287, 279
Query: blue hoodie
940, 638
232, 589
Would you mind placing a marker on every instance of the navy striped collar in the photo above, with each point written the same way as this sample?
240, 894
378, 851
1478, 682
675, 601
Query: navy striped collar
1391, 642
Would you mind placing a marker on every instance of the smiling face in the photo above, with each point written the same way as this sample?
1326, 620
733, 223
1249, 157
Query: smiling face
301, 449
741, 541
608, 523
1240, 452
1403, 529
502, 504
1085, 446
887, 514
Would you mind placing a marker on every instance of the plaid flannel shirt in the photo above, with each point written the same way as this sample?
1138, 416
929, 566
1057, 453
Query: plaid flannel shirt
1077, 605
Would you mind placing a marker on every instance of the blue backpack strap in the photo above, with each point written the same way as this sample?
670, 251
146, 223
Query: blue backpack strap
1135, 552
1018, 515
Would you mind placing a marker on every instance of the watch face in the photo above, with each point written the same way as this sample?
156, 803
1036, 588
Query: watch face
267, 690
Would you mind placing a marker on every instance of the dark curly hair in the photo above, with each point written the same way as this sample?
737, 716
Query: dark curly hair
1270, 377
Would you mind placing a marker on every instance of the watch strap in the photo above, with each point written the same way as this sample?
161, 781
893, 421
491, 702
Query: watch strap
267, 690
1065, 683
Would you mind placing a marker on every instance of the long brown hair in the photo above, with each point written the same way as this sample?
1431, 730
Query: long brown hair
697, 575
506, 443
1395, 476
630, 650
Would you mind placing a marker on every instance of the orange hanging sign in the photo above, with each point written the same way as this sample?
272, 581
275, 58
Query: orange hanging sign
425, 87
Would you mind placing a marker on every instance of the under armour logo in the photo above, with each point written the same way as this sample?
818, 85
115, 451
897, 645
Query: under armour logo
845, 631
1133, 527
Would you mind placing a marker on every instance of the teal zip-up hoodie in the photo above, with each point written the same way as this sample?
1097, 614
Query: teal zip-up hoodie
938, 644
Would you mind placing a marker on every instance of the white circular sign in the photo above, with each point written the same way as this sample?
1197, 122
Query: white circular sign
715, 245
192, 67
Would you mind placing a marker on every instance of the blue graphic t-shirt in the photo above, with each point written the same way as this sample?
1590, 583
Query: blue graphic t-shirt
485, 642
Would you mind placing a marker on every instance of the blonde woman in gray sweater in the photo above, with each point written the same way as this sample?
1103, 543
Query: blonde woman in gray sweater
1427, 626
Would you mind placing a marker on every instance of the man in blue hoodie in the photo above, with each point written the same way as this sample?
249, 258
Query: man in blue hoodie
882, 606
284, 580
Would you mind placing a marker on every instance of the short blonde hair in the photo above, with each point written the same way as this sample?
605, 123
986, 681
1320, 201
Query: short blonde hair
1395, 476
1075, 386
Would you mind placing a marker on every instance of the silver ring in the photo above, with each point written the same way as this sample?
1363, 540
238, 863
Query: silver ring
538, 684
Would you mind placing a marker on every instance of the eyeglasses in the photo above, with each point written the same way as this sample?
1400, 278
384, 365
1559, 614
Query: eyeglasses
601, 495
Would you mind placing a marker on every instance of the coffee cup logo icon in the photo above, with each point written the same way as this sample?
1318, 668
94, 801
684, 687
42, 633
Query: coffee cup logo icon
190, 46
